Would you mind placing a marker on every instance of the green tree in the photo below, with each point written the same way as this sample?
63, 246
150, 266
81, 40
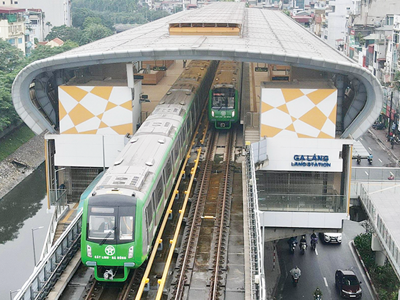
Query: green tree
10, 56
94, 32
64, 33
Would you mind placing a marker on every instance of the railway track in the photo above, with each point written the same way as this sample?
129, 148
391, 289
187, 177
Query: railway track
201, 265
197, 266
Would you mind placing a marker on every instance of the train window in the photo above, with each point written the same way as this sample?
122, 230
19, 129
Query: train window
126, 228
184, 130
101, 227
126, 223
149, 212
223, 98
158, 191
168, 167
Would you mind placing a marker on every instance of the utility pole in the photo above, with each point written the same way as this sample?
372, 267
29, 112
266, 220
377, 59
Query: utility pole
390, 116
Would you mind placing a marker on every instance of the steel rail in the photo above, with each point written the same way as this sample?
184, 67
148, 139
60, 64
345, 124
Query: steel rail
214, 282
158, 241
180, 283
178, 227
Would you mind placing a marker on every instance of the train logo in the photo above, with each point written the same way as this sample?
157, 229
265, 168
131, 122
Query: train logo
110, 250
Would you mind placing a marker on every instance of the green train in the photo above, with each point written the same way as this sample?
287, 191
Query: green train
124, 208
225, 95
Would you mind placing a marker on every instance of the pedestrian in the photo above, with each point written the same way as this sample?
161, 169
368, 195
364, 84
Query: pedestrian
184, 63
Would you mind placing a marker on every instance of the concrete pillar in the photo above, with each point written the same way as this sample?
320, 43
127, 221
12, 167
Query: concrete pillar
380, 257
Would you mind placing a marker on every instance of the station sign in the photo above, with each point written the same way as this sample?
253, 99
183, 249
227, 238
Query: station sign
261, 69
159, 68
311, 161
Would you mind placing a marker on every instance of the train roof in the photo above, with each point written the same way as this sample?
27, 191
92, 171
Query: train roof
138, 161
228, 74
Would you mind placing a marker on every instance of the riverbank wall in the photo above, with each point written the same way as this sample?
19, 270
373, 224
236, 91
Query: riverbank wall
21, 164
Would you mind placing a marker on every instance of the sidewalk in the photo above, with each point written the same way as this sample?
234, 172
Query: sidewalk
380, 137
271, 269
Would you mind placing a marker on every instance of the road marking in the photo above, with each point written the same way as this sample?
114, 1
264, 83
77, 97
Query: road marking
380, 160
326, 282
370, 149
316, 251
366, 173
361, 139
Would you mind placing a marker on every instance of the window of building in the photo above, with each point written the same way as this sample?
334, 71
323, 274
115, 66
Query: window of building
12, 41
20, 41
389, 20
34, 22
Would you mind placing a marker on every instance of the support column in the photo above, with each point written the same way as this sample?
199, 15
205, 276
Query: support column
380, 257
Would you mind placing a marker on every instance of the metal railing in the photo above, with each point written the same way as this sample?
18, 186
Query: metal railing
381, 230
50, 268
60, 209
258, 285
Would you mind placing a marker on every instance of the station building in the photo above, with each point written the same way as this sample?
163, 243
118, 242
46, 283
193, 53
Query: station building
304, 105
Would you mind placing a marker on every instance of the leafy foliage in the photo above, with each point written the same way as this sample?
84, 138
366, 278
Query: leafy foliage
383, 277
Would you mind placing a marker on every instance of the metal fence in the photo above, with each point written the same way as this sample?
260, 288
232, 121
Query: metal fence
390, 246
51, 267
258, 286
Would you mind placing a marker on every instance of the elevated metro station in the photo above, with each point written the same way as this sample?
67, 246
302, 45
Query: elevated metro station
304, 104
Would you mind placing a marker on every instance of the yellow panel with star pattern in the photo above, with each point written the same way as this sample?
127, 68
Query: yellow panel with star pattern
104, 110
298, 113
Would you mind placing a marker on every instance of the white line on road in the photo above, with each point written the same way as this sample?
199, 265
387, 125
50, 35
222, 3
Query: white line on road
380, 160
370, 149
326, 282
366, 173
316, 251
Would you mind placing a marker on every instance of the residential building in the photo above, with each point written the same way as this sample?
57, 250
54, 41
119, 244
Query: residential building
57, 12
12, 26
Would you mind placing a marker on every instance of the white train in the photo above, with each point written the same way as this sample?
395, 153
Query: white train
122, 213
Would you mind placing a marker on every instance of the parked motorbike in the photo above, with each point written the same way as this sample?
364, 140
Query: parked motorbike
379, 126
314, 242
303, 247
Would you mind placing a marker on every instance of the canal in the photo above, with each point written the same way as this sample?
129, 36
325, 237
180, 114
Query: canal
23, 214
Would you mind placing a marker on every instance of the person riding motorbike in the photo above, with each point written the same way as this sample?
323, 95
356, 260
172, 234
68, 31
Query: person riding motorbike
292, 243
296, 273
358, 159
303, 240
317, 293
303, 244
314, 240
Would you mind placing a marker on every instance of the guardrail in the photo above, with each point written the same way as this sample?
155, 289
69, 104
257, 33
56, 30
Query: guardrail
381, 230
60, 209
258, 286
50, 268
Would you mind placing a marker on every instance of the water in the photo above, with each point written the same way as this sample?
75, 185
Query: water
23, 209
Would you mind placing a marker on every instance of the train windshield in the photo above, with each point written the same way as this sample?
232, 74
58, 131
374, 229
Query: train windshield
111, 224
223, 98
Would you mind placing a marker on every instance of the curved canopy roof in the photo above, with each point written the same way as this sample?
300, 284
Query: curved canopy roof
266, 36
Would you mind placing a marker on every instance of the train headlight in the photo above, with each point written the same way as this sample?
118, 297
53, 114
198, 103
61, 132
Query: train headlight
233, 113
212, 113
89, 251
130, 252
